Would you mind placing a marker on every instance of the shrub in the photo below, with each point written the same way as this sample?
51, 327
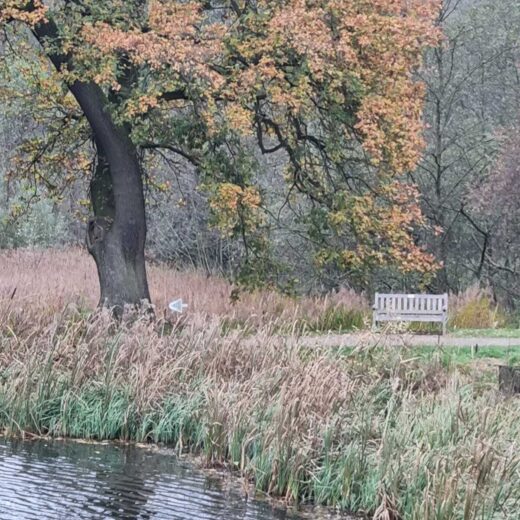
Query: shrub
339, 318
474, 309
40, 226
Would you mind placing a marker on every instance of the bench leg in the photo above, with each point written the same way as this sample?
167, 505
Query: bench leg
374, 323
444, 327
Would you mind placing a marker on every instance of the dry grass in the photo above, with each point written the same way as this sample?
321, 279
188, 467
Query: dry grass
375, 431
474, 309
51, 279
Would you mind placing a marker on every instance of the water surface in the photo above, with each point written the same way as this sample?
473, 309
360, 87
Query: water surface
65, 480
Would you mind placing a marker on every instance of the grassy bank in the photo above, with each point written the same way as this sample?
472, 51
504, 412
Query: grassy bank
381, 432
393, 433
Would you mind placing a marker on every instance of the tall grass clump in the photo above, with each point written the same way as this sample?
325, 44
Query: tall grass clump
343, 311
381, 432
474, 309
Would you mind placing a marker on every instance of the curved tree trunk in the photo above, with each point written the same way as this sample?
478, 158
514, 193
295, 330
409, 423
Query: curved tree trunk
116, 246
116, 234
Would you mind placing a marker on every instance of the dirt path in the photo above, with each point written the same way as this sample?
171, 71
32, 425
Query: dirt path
367, 338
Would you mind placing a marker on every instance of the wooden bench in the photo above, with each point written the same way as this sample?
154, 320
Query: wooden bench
411, 307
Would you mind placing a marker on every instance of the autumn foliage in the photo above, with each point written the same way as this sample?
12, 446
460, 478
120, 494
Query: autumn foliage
327, 84
30, 13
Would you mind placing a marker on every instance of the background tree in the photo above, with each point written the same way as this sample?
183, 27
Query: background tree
495, 202
473, 87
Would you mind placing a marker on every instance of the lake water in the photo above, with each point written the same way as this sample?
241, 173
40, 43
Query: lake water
65, 480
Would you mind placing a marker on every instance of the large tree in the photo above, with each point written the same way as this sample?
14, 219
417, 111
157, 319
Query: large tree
495, 205
329, 84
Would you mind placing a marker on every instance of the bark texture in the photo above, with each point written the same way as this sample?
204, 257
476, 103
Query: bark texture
117, 245
509, 379
116, 234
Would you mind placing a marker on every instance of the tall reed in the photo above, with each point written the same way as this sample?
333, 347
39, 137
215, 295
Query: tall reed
48, 280
374, 431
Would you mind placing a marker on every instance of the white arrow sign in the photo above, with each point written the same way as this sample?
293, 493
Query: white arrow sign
178, 306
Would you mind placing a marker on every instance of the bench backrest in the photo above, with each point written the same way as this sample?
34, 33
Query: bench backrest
411, 303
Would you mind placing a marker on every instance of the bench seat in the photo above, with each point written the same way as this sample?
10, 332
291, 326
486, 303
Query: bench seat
431, 308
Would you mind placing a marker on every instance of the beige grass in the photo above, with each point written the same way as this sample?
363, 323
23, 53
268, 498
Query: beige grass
376, 431
51, 279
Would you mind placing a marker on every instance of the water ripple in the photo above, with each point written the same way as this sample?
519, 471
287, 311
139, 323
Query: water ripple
61, 480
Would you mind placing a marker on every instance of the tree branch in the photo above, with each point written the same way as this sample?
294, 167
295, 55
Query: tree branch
178, 151
175, 95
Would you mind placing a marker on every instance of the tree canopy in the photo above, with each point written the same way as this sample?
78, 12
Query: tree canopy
328, 85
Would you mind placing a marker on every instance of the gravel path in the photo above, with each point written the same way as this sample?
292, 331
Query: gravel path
354, 340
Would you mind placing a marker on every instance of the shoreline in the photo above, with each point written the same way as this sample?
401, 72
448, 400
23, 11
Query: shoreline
226, 475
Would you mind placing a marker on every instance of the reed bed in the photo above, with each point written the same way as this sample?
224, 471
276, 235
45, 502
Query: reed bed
381, 432
377, 432
48, 280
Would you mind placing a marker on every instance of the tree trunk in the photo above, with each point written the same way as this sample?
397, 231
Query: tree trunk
117, 247
116, 234
509, 379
